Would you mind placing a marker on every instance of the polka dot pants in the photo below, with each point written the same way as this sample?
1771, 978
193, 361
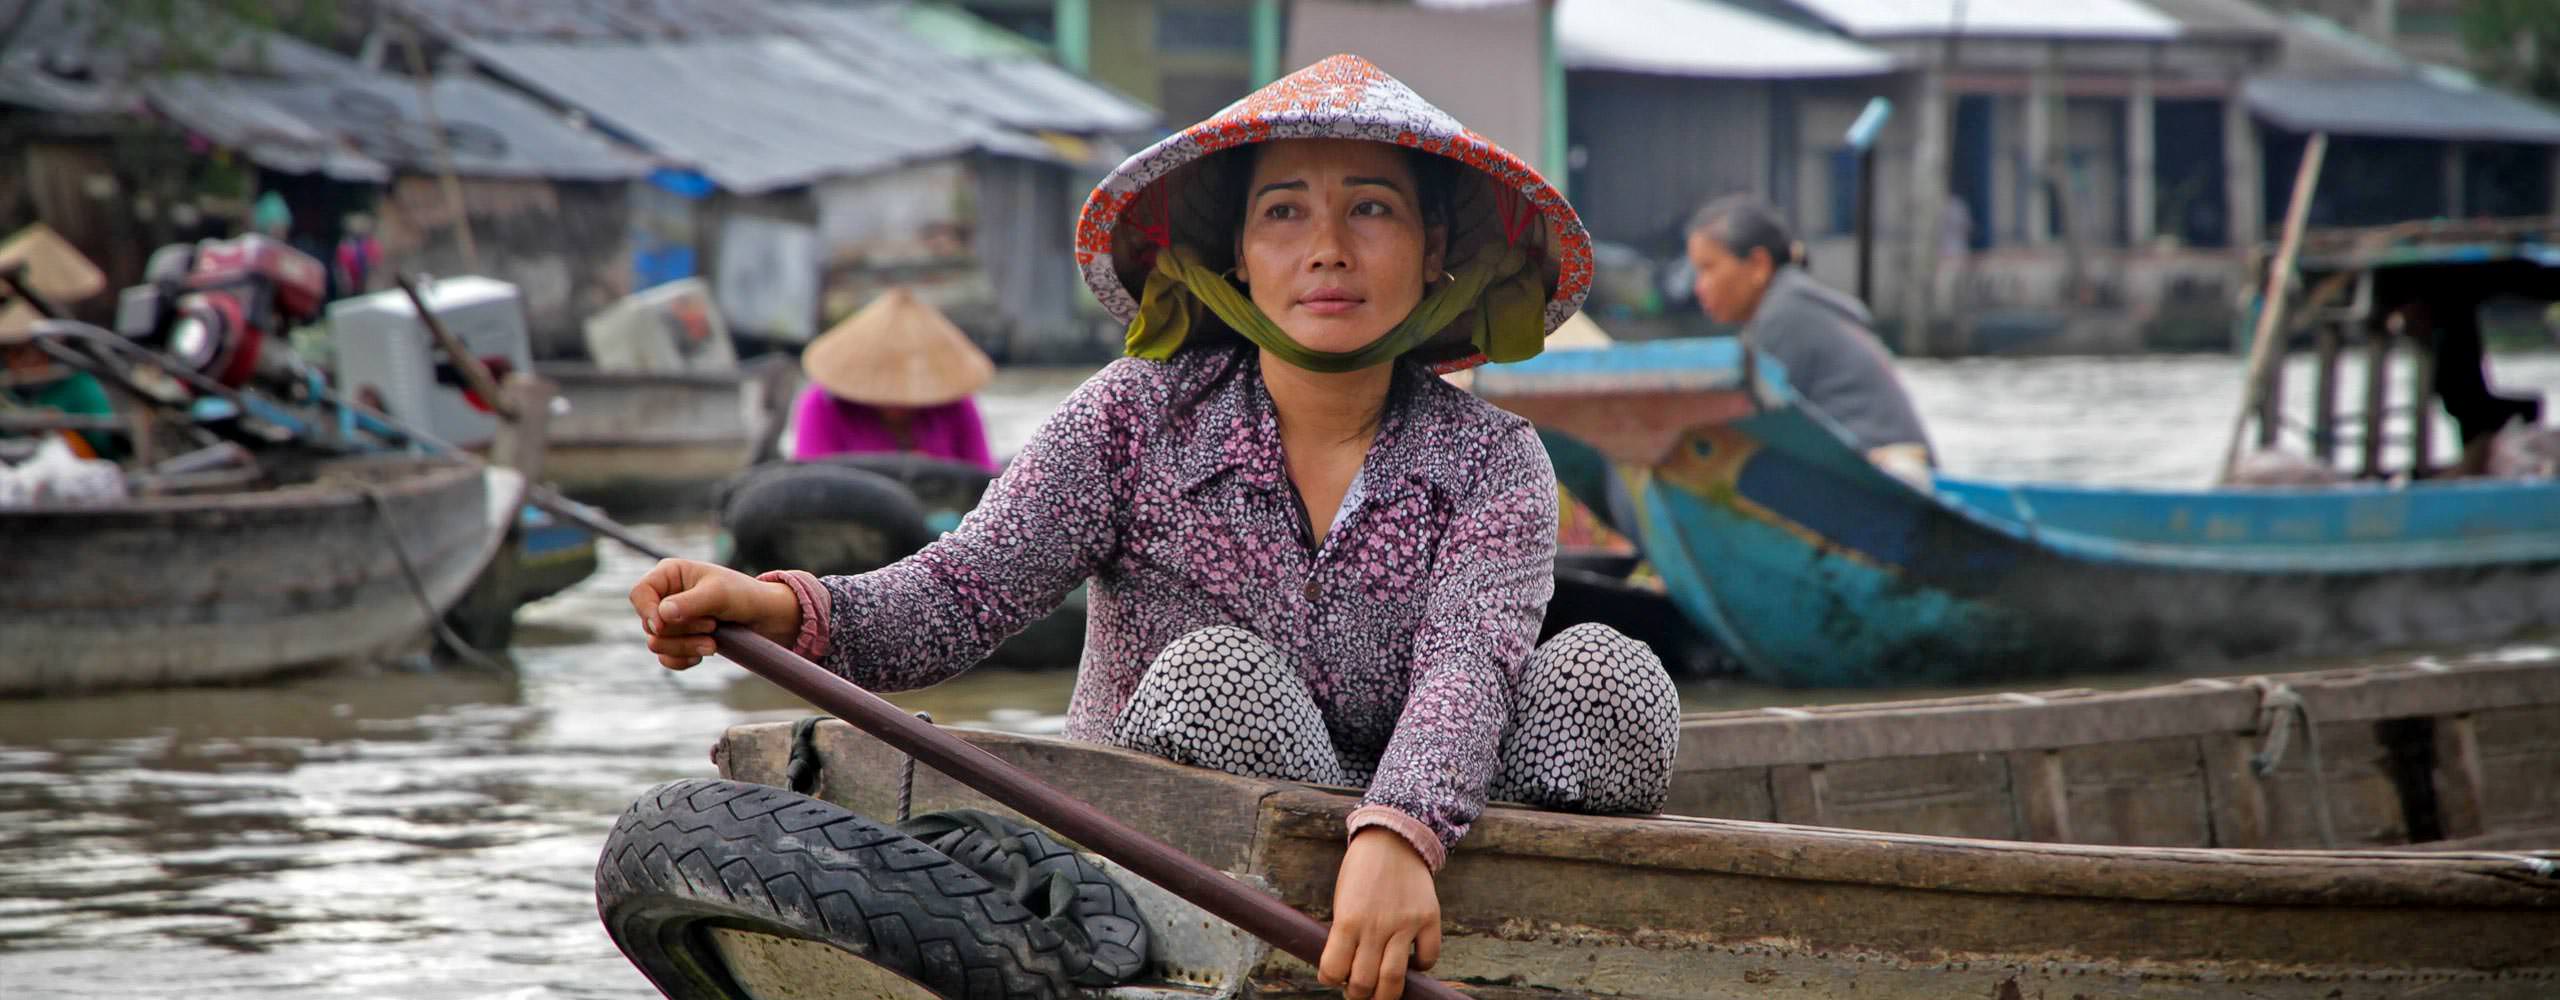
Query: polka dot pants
1595, 720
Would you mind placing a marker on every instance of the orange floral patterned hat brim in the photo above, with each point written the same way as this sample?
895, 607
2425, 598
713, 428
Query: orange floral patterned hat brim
1142, 206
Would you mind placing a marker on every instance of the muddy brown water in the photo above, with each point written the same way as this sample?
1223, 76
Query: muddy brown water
396, 831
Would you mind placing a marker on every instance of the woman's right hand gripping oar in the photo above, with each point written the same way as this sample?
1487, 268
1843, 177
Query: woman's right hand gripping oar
680, 601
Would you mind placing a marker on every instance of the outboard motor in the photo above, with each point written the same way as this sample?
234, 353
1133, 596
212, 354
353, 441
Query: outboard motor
223, 308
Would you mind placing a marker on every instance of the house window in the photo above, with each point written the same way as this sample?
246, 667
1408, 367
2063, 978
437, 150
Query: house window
1844, 192
1203, 29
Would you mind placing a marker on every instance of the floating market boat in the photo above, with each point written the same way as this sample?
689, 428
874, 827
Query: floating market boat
1549, 904
655, 442
1812, 567
348, 559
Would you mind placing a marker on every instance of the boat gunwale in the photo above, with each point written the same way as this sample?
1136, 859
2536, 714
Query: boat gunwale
569, 375
402, 477
1759, 849
2083, 717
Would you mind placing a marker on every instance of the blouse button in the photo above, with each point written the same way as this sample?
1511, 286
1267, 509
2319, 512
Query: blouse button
1312, 591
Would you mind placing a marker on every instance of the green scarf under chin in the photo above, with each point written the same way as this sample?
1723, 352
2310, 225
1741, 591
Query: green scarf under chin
1502, 287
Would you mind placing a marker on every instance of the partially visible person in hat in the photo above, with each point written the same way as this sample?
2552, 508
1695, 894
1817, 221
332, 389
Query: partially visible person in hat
894, 377
30, 378
1310, 559
1751, 274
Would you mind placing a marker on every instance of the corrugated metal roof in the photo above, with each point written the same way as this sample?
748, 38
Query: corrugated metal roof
376, 117
2226, 19
2416, 106
2011, 18
1665, 37
63, 57
2317, 45
753, 114
594, 20
1025, 93
232, 112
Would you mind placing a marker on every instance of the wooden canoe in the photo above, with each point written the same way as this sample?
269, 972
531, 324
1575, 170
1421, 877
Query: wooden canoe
233, 586
1812, 567
654, 442
1547, 904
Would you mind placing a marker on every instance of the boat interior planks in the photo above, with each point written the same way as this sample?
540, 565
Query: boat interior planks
1678, 907
2404, 755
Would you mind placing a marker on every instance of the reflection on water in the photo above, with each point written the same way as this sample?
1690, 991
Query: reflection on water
390, 832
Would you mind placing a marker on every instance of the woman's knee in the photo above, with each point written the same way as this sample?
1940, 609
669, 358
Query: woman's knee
1592, 655
1216, 651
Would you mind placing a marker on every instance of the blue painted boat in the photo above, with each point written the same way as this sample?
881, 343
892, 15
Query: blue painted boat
1816, 568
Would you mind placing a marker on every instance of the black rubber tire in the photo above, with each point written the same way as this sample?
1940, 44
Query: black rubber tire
1106, 936
703, 853
938, 484
827, 519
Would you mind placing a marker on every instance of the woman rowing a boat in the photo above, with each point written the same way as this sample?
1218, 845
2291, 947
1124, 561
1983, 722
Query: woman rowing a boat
1310, 559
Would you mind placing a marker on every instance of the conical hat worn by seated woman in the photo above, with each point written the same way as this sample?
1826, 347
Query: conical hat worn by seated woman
1156, 235
897, 351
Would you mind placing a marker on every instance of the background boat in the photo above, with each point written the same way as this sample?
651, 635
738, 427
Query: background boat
230, 586
1813, 567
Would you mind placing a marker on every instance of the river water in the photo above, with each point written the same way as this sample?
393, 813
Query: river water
397, 831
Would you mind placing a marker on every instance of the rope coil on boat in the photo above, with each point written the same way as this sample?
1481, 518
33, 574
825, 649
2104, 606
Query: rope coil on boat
2280, 710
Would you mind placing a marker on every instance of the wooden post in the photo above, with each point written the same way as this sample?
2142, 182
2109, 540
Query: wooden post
2241, 153
2271, 295
2462, 793
2141, 200
1795, 794
523, 442
2271, 399
2377, 400
2422, 403
1867, 224
2044, 93
1927, 203
444, 152
2324, 394
2239, 800
2043, 798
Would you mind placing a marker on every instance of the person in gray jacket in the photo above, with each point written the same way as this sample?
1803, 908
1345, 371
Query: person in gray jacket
1751, 274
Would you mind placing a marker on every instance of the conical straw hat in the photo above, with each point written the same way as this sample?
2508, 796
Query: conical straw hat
1176, 191
55, 270
898, 351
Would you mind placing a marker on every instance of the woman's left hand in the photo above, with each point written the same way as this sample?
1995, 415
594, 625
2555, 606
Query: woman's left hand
1386, 915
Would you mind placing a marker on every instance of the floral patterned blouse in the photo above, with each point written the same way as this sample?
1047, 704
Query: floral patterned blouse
1163, 483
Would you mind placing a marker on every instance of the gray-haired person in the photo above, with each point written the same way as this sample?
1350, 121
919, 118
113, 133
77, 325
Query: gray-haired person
1751, 274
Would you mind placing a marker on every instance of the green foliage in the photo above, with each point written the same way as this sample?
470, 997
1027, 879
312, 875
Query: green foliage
176, 36
2515, 43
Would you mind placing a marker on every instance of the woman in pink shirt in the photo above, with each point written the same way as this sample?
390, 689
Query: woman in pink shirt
1307, 557
894, 377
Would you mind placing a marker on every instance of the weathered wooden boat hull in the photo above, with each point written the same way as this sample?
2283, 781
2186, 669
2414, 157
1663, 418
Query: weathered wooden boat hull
652, 443
1538, 903
2427, 754
195, 590
1815, 568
